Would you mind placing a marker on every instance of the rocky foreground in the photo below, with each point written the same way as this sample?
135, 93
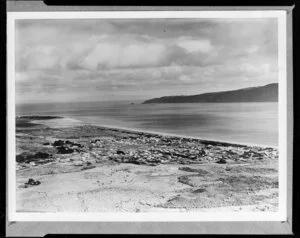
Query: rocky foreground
89, 168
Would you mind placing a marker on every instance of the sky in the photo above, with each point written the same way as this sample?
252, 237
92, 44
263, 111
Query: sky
138, 59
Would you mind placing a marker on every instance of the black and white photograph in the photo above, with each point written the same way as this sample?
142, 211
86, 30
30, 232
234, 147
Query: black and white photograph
170, 114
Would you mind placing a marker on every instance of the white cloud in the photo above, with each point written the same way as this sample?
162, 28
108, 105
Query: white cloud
184, 78
42, 60
195, 45
109, 55
253, 49
142, 54
94, 56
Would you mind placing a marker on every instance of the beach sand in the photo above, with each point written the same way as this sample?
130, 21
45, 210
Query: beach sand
85, 168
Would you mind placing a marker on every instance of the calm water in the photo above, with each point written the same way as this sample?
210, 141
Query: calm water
238, 122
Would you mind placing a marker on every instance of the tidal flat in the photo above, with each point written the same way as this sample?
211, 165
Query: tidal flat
86, 168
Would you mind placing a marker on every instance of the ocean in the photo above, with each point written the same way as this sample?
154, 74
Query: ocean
254, 123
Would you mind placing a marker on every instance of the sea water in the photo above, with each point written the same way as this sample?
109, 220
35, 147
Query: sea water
255, 123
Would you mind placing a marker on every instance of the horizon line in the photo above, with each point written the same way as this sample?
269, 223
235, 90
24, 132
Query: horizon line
140, 99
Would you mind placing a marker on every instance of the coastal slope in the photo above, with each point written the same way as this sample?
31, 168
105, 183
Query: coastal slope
97, 169
267, 93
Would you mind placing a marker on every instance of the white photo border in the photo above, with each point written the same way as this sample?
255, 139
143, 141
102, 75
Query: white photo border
281, 215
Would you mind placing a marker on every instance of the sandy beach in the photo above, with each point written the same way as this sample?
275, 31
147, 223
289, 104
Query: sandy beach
66, 166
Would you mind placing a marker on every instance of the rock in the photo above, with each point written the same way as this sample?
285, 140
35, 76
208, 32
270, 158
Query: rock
88, 167
221, 161
32, 164
77, 145
21, 157
58, 143
86, 156
187, 169
64, 150
42, 155
200, 190
67, 142
202, 152
95, 141
32, 182
120, 152
28, 157
193, 157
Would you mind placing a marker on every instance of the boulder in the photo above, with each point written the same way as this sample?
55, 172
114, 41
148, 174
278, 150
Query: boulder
64, 150
58, 143
42, 155
221, 161
120, 152
23, 157
32, 182
28, 157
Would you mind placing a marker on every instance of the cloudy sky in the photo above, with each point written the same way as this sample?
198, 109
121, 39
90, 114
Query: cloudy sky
97, 60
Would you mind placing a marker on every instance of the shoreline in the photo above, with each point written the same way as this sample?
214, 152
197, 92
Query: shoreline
208, 140
89, 168
185, 136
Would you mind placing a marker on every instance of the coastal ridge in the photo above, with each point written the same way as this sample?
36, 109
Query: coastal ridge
267, 93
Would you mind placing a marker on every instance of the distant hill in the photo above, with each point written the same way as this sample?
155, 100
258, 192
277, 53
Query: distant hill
267, 93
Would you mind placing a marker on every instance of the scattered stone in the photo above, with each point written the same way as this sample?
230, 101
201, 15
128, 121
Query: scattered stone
88, 167
39, 157
67, 142
151, 150
221, 161
200, 190
58, 143
95, 141
64, 150
120, 152
32, 182
77, 145
42, 155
